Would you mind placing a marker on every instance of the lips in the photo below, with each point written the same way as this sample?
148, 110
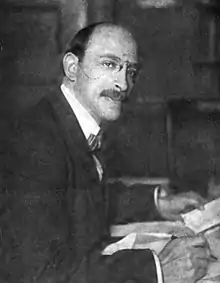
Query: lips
113, 94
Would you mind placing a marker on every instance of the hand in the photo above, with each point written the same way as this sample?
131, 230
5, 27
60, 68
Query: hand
171, 206
185, 259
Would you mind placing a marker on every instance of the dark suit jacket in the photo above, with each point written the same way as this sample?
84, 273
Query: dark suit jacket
54, 216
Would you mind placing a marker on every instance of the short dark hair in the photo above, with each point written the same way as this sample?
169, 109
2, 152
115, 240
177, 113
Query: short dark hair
80, 41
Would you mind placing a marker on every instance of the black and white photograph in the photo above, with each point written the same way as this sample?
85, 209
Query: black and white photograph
109, 141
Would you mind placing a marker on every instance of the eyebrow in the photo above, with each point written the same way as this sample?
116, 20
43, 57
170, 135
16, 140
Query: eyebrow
113, 57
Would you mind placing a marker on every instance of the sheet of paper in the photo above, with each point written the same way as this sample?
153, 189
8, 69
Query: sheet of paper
125, 243
154, 242
201, 220
169, 227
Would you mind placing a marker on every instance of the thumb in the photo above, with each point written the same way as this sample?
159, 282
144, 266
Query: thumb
195, 200
192, 203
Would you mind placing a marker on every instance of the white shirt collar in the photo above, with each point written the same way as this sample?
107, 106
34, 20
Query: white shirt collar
86, 121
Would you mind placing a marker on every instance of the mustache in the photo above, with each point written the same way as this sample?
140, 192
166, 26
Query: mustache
114, 94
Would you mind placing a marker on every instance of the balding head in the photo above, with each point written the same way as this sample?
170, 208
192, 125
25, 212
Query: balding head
82, 39
110, 35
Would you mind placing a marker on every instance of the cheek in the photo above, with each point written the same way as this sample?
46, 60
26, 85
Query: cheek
104, 82
96, 87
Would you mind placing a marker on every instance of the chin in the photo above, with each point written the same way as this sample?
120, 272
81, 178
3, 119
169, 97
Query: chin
112, 116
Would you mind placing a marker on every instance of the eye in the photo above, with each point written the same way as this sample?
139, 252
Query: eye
109, 64
132, 73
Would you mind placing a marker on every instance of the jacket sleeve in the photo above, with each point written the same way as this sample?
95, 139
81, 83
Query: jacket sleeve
35, 224
123, 266
32, 203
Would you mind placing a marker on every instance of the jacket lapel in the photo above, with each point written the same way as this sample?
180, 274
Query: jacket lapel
68, 121
74, 137
78, 148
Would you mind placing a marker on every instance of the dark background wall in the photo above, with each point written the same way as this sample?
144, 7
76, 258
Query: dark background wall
164, 131
179, 57
33, 35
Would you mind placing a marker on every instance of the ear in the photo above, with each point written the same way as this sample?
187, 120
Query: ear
70, 65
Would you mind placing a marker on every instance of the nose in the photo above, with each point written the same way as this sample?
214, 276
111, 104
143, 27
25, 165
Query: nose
121, 80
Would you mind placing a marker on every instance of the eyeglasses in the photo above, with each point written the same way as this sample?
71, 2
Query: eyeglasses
113, 66
116, 67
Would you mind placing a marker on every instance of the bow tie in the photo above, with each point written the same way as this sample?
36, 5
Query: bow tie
95, 141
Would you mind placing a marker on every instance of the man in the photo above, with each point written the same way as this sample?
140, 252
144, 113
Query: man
55, 218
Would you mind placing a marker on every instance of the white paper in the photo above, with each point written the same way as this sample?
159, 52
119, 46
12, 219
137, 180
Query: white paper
169, 227
153, 241
201, 220
125, 243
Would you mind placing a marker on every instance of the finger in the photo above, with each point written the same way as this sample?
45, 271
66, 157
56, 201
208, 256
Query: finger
202, 253
197, 241
190, 203
212, 258
199, 204
195, 199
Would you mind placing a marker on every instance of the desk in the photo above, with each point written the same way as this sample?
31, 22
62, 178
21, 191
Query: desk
130, 181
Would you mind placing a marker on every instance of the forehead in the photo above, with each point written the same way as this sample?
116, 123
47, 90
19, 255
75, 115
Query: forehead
112, 40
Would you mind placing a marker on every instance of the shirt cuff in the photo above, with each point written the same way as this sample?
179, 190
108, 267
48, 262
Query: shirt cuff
158, 268
159, 192
156, 196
